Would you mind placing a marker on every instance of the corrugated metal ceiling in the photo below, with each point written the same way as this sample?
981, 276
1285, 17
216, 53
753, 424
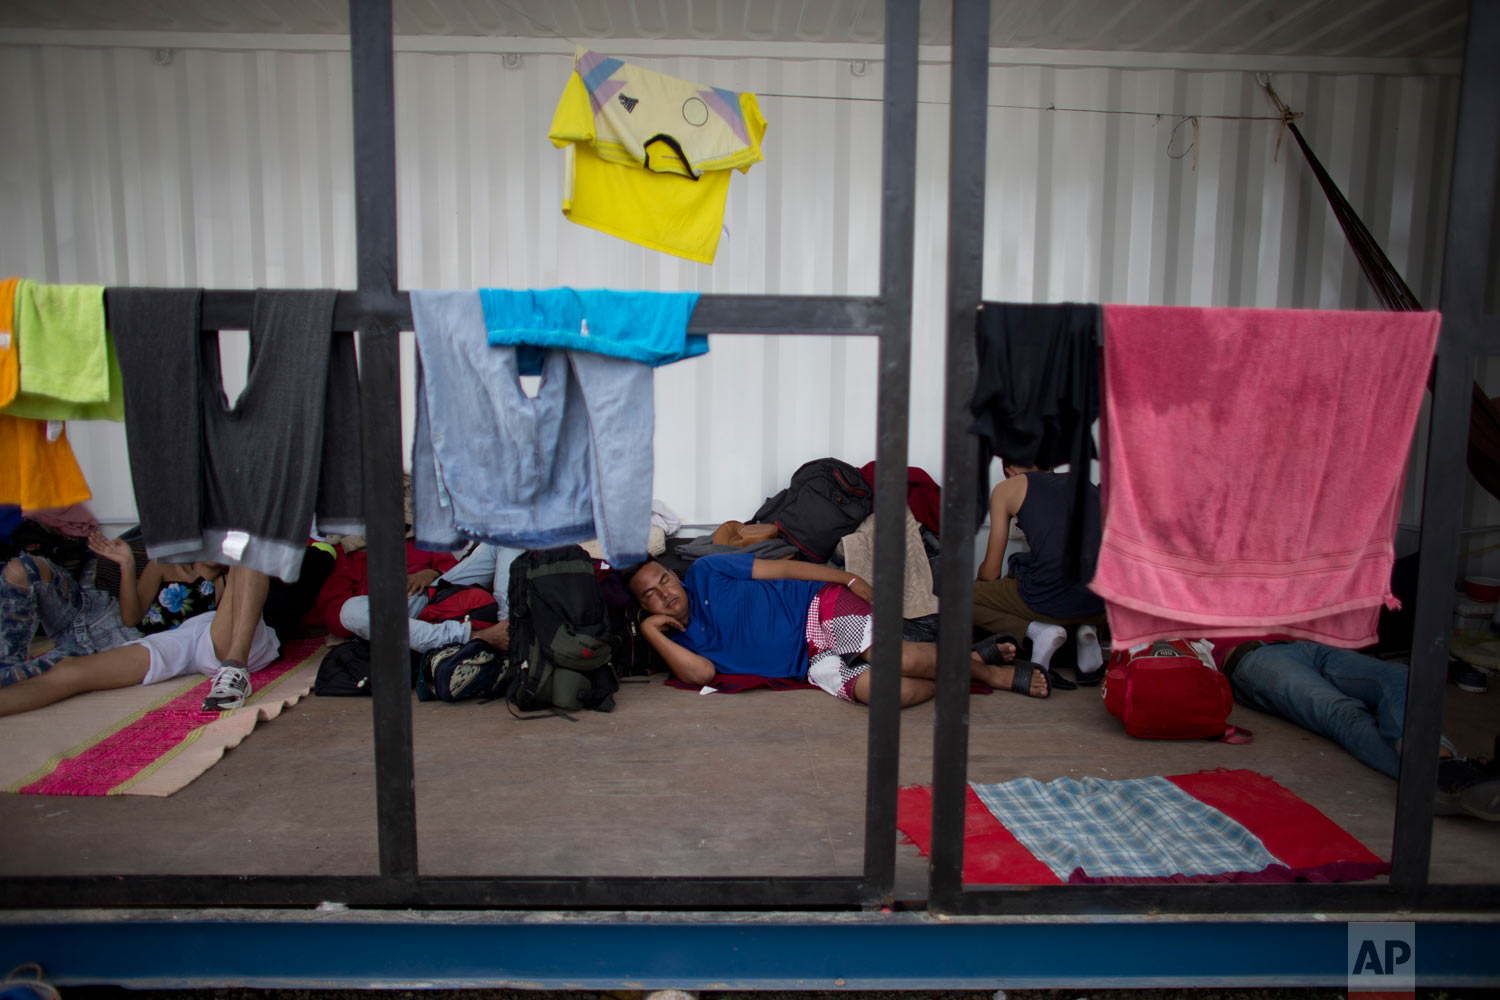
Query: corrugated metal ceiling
1311, 28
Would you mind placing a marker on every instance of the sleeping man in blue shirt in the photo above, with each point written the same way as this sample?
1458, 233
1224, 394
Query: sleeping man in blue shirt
736, 614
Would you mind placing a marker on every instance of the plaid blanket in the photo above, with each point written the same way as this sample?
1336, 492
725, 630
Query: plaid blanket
1138, 828
1212, 826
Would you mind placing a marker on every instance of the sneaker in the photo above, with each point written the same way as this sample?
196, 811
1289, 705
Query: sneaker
1466, 677
1467, 787
230, 688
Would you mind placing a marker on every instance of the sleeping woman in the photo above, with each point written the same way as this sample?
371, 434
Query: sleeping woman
174, 619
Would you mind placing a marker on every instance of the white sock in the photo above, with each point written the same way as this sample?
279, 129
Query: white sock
1045, 640
1090, 655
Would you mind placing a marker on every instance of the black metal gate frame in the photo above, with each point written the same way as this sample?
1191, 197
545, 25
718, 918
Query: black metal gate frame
378, 310
1470, 217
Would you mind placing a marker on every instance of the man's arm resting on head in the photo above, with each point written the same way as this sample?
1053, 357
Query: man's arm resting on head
793, 569
686, 665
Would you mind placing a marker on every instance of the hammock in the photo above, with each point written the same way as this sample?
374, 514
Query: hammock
1484, 413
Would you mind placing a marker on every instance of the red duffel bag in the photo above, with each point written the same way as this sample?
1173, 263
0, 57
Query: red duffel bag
1171, 690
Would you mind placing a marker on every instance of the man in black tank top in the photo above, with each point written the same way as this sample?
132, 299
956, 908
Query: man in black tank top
1043, 600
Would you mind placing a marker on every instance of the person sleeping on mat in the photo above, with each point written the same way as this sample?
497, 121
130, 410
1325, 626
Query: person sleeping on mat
736, 614
199, 618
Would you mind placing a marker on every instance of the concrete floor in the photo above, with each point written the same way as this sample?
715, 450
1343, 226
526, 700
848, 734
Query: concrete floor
672, 782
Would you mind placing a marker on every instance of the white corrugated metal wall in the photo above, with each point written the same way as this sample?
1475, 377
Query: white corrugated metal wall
229, 167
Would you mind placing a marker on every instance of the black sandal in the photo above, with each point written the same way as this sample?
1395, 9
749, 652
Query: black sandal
1057, 682
1020, 681
989, 648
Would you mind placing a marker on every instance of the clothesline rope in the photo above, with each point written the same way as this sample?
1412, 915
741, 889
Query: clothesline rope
1286, 115
545, 27
1006, 107
1283, 118
1039, 107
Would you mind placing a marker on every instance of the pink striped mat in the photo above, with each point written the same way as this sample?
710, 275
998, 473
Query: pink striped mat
158, 748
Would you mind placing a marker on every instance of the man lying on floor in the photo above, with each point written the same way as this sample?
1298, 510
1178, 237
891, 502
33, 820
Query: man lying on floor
783, 618
1355, 700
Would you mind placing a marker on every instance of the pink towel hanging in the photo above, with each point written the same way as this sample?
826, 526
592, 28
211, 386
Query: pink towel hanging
1252, 462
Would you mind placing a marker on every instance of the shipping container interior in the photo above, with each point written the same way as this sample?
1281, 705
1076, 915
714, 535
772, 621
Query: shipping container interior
1131, 157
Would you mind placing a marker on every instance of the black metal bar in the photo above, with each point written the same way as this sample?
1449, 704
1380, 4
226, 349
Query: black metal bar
372, 64
1471, 212
1476, 162
835, 315
373, 67
54, 892
897, 233
966, 173
788, 314
750, 893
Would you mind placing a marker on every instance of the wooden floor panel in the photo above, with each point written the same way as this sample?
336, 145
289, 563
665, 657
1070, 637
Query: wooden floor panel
671, 783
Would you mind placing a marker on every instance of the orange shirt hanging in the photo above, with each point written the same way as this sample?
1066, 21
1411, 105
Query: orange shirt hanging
10, 354
34, 472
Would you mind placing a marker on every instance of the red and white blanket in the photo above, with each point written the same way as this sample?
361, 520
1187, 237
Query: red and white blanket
1212, 826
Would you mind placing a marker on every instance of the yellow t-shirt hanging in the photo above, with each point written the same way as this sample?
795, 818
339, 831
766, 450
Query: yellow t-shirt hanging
648, 155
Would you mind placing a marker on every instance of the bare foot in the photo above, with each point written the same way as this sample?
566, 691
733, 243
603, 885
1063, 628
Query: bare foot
497, 635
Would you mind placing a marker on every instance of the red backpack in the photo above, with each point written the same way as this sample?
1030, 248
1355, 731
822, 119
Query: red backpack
454, 601
1171, 690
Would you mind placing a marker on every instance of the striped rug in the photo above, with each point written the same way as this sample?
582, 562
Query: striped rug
149, 740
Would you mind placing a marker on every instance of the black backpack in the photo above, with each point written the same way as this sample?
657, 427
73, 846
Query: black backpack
559, 635
345, 670
827, 499
632, 655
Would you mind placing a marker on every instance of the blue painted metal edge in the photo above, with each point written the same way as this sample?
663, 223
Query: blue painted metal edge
458, 949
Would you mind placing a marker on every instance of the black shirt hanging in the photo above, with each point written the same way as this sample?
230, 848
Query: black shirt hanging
1036, 397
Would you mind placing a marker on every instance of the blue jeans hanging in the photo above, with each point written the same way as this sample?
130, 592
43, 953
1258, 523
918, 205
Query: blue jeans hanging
492, 463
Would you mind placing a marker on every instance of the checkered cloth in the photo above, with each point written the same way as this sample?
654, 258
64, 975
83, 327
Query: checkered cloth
1141, 827
840, 626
